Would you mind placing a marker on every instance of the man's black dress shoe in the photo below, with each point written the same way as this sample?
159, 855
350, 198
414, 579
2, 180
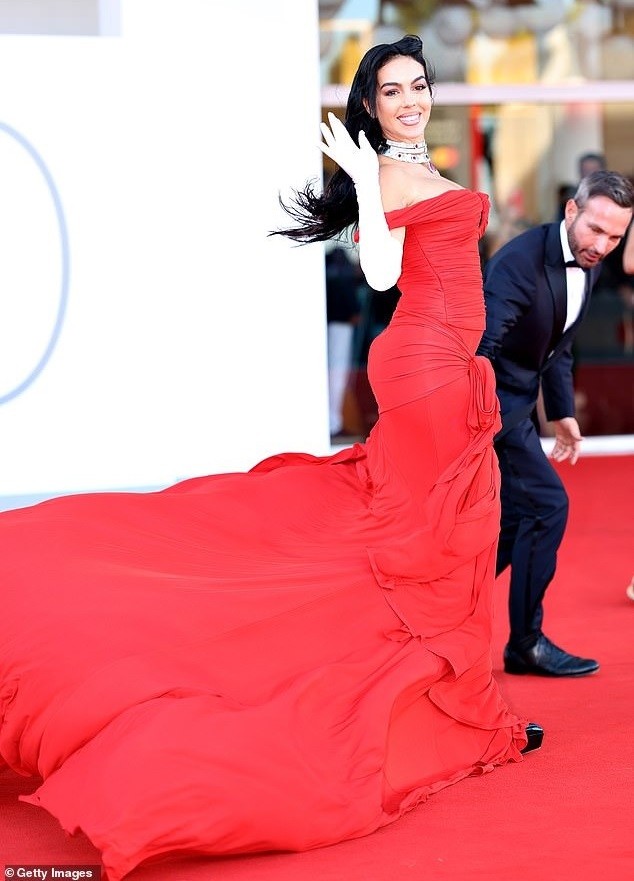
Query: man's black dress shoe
546, 659
534, 736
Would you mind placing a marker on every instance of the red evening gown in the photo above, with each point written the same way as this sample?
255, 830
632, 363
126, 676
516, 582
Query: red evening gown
289, 657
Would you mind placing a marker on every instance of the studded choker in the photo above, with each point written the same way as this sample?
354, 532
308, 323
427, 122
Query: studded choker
407, 152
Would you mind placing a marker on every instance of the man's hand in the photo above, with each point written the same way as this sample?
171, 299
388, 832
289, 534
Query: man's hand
361, 163
567, 440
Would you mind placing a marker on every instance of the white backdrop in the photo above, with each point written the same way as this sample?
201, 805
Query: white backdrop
149, 329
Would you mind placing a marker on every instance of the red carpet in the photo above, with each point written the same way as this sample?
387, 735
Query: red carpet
564, 813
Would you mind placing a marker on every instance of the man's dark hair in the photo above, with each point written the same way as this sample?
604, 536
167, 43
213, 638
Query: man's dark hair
605, 183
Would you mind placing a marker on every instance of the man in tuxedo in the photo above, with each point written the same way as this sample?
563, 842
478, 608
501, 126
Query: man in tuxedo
537, 289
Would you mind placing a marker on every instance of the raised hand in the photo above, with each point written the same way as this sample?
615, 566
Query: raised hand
380, 253
360, 162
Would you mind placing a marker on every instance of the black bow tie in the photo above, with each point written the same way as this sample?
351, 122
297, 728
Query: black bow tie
574, 263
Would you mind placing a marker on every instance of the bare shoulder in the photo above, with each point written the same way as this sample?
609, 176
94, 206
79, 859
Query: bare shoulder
394, 186
403, 185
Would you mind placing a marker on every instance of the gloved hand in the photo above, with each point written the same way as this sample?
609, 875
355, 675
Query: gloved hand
380, 253
360, 163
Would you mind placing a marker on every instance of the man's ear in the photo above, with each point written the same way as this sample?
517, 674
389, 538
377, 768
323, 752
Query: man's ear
571, 210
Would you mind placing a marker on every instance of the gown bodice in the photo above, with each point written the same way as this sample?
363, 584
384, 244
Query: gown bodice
441, 275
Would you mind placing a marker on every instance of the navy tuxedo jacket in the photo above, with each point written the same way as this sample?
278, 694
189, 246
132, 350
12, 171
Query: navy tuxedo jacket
526, 297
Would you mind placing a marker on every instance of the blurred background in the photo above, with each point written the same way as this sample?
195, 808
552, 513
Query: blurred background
524, 90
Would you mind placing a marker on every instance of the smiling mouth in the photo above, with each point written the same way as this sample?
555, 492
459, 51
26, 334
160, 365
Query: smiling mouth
410, 119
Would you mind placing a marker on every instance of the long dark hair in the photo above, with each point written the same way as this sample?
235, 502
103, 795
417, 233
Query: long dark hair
321, 217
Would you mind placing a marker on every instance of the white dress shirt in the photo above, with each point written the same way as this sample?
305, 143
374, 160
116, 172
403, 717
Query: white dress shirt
575, 281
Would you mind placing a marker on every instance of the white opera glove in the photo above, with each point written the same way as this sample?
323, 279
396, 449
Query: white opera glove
380, 254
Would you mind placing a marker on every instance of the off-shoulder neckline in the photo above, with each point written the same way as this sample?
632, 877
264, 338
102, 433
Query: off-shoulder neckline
434, 198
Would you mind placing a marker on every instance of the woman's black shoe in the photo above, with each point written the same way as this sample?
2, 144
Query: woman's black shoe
534, 735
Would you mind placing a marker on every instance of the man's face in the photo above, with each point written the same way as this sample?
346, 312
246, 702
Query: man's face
596, 229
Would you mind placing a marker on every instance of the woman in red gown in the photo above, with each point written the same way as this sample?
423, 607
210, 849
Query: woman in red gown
297, 655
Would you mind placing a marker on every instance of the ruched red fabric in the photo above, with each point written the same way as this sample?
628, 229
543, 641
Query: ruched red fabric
289, 657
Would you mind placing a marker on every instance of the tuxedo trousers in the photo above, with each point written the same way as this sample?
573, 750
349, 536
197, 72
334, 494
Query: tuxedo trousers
533, 522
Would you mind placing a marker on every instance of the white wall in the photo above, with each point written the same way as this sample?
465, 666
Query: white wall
188, 342
55, 16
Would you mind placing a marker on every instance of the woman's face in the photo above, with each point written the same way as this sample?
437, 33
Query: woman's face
403, 100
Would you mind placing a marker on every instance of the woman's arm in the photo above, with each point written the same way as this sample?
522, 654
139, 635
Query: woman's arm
380, 251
